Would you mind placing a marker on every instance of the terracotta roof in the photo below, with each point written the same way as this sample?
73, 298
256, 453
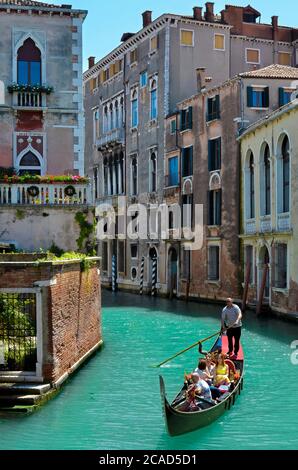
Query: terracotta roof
273, 71
31, 3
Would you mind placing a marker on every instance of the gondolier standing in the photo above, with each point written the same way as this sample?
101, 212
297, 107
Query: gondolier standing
231, 321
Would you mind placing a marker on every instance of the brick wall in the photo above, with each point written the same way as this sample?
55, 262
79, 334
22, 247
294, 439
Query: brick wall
71, 308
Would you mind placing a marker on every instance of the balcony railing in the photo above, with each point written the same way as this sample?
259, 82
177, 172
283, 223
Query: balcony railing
111, 138
284, 222
28, 99
250, 227
47, 194
265, 224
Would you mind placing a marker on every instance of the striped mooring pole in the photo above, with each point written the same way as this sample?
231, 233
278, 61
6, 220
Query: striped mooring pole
154, 276
114, 273
142, 276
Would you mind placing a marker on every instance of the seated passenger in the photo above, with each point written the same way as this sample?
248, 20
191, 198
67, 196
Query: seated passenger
203, 371
202, 389
221, 372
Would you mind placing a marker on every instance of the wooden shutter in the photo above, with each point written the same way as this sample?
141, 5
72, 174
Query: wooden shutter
186, 38
284, 58
218, 150
190, 165
281, 93
210, 208
249, 96
266, 98
218, 207
190, 117
217, 101
210, 160
153, 43
219, 41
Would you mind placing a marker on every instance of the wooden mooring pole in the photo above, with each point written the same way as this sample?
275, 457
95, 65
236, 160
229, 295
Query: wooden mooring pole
246, 286
262, 289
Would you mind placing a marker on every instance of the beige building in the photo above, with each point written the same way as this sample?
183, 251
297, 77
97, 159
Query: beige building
269, 235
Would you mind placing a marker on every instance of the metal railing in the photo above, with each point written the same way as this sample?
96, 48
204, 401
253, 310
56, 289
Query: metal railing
116, 136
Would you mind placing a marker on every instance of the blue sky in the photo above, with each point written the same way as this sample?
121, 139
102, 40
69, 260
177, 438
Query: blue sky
108, 19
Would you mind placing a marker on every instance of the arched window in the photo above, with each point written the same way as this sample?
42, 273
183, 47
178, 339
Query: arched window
134, 176
111, 117
117, 122
105, 120
265, 170
121, 169
153, 172
29, 164
134, 109
251, 187
29, 64
285, 151
153, 100
106, 177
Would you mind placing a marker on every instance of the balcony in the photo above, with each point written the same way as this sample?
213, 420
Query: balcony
111, 139
250, 227
284, 222
28, 96
172, 187
45, 194
265, 224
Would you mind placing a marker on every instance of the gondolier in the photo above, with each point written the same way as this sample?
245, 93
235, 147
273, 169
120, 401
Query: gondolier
231, 321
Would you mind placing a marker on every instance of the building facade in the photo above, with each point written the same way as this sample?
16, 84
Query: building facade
129, 93
41, 100
269, 231
202, 167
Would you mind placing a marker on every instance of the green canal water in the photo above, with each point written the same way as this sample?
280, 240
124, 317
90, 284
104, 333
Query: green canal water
113, 402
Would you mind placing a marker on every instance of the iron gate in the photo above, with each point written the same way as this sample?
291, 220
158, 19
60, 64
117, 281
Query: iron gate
18, 349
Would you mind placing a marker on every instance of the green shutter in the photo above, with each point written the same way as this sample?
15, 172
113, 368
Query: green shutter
210, 207
219, 153
191, 161
217, 106
249, 97
218, 207
181, 120
266, 97
281, 92
210, 166
190, 117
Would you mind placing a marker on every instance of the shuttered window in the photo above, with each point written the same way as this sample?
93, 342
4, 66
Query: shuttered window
173, 177
186, 38
252, 56
284, 58
133, 56
153, 43
257, 97
213, 263
186, 119
93, 84
214, 154
285, 96
219, 42
214, 207
213, 111
187, 162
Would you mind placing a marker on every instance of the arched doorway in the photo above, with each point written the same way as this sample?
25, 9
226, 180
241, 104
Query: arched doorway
153, 268
264, 261
172, 272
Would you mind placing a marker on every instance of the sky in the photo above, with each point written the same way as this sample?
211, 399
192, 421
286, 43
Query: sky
107, 20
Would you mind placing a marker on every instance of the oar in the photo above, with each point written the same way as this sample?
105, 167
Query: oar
187, 349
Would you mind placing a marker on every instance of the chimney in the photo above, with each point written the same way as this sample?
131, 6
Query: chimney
91, 62
197, 13
209, 15
201, 75
147, 18
275, 28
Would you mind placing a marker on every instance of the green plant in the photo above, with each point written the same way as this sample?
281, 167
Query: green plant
55, 250
20, 215
86, 230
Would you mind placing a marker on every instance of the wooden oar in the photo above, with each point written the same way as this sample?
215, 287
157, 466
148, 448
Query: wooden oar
187, 349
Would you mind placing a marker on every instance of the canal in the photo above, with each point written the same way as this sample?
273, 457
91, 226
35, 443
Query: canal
114, 402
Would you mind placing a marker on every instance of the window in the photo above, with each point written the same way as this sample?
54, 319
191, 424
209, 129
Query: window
95, 125
173, 172
219, 42
213, 263
249, 261
95, 181
187, 162
251, 214
188, 211
134, 176
253, 56
153, 171
93, 84
214, 154
153, 43
286, 174
186, 119
257, 97
153, 100
173, 126
285, 96
134, 251
281, 261
133, 56
29, 64
267, 181
106, 177
186, 38
121, 257
213, 111
186, 271
143, 79
29, 164
284, 58
104, 256
134, 109
214, 207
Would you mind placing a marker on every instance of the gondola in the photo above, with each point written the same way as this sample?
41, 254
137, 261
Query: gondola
181, 422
